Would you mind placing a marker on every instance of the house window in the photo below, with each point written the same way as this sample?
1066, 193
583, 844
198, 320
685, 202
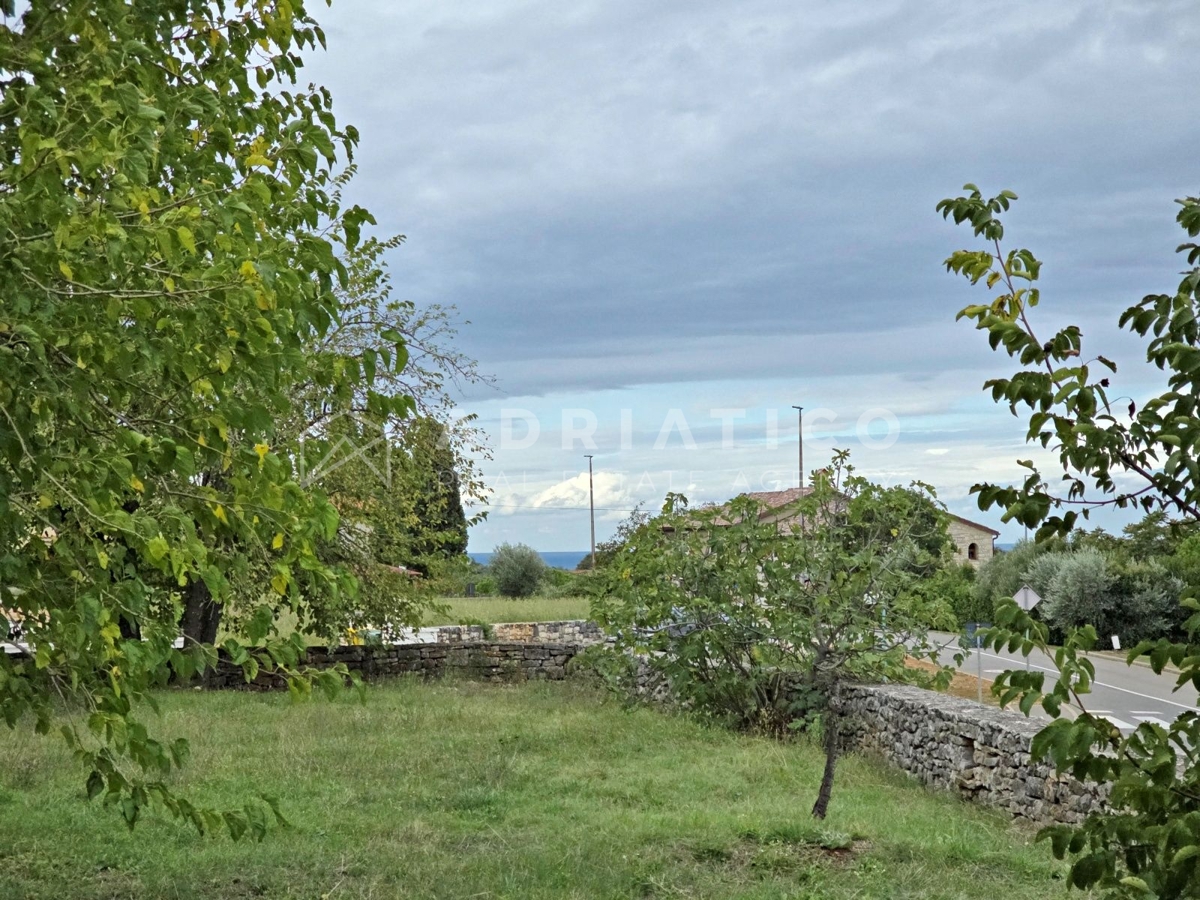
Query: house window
973, 551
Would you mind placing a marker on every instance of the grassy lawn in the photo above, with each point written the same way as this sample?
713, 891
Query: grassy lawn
501, 609
537, 791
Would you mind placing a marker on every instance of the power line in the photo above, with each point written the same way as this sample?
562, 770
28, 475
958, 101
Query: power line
555, 508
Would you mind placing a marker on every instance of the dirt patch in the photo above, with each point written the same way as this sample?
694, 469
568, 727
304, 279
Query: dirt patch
961, 685
782, 849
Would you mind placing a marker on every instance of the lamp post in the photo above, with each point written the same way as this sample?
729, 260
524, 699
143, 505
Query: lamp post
592, 505
800, 439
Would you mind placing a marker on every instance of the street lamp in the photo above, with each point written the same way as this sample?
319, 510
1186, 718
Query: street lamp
800, 439
592, 505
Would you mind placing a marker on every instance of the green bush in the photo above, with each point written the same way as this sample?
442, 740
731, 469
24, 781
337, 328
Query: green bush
517, 570
1150, 602
1082, 593
1132, 599
953, 586
1003, 575
1040, 573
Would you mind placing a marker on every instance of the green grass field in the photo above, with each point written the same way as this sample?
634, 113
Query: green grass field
539, 791
501, 609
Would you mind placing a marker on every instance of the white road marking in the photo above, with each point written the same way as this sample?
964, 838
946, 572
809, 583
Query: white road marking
1102, 684
1120, 723
1154, 720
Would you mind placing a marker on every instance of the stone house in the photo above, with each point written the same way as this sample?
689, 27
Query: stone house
973, 543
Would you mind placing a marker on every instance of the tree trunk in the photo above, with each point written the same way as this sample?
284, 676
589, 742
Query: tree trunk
832, 749
201, 615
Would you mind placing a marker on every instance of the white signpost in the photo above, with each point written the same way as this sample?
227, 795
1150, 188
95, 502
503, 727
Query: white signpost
1027, 599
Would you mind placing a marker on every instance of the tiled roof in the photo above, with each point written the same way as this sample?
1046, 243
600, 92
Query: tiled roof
775, 499
774, 507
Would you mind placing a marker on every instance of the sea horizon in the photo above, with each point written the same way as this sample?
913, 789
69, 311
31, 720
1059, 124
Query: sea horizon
555, 559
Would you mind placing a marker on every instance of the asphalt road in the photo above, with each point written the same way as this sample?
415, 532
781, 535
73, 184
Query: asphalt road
1125, 695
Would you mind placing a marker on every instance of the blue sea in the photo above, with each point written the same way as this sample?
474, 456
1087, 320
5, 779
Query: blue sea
555, 559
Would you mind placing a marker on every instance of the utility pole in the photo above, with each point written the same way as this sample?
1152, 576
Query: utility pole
800, 440
592, 504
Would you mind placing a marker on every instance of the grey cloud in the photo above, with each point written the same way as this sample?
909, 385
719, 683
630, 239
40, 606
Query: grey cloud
629, 193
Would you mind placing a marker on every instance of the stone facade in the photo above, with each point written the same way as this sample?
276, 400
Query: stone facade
973, 543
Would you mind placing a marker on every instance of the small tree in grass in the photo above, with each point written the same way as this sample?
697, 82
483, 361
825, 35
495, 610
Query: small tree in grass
759, 623
517, 569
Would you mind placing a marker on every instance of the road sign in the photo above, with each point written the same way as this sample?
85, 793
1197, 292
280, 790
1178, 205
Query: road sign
1027, 598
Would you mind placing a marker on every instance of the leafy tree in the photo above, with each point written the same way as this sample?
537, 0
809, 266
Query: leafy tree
394, 534
169, 259
607, 551
1082, 592
953, 586
433, 369
517, 570
758, 625
1149, 608
1003, 575
1113, 453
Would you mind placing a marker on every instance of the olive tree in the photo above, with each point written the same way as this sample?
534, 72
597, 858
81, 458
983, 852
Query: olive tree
518, 569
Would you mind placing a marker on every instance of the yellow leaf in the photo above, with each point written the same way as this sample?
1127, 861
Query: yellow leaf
219, 512
45, 501
186, 239
280, 582
247, 270
261, 301
66, 271
136, 483
102, 558
169, 284
262, 450
278, 542
257, 159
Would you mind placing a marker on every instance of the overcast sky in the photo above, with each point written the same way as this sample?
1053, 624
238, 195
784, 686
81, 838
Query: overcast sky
672, 208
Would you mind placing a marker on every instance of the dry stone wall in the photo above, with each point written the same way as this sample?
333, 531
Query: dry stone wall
576, 632
478, 661
979, 752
